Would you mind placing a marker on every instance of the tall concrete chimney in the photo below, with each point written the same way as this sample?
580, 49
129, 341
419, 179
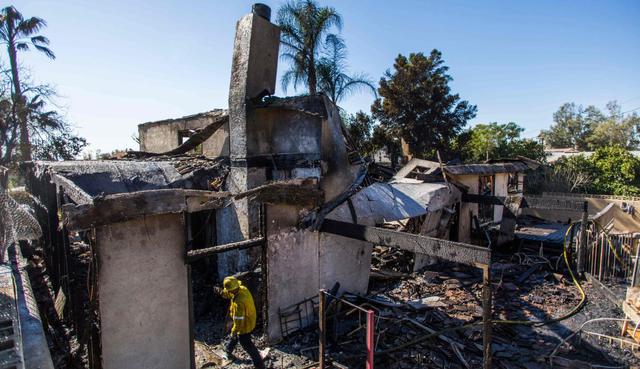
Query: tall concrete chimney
253, 75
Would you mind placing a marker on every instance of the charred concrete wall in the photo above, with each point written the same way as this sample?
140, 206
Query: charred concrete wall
164, 135
283, 132
144, 299
344, 260
299, 262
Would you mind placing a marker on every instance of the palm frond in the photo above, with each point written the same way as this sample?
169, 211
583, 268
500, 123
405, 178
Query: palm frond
22, 46
356, 83
39, 40
46, 51
13, 13
30, 26
293, 77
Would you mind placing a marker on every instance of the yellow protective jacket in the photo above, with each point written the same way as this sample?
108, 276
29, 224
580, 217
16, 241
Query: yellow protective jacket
243, 312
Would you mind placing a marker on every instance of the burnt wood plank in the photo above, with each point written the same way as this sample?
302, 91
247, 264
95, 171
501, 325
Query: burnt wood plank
448, 250
127, 206
74, 192
299, 191
197, 254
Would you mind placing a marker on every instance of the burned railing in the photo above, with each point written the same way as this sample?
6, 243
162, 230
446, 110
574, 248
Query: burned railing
612, 258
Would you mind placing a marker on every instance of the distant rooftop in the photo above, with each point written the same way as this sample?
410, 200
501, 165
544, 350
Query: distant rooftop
554, 154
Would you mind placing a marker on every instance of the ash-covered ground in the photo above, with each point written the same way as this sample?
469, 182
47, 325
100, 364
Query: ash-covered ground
442, 298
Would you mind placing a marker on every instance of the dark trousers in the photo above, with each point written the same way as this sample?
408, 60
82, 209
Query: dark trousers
248, 346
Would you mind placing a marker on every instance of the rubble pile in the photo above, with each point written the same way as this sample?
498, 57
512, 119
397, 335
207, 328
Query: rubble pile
189, 166
387, 262
65, 349
432, 319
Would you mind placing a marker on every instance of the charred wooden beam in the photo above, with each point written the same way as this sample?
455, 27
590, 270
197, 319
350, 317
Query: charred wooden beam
315, 219
294, 192
198, 200
194, 255
199, 137
74, 192
448, 250
483, 199
127, 206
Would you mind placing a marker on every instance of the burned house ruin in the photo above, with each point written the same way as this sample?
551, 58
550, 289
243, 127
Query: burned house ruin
269, 187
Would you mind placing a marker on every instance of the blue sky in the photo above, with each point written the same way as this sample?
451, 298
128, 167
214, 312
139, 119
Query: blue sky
121, 63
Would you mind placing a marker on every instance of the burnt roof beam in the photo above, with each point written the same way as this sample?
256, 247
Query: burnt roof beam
448, 250
127, 206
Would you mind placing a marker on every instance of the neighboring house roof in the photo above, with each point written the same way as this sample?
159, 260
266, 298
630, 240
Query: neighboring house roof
427, 167
554, 154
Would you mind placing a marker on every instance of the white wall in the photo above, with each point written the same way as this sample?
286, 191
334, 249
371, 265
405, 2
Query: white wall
143, 287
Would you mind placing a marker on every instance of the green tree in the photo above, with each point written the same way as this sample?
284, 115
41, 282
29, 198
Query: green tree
492, 141
360, 130
417, 105
617, 171
573, 124
589, 128
495, 141
18, 34
304, 26
615, 129
610, 170
333, 78
569, 174
52, 137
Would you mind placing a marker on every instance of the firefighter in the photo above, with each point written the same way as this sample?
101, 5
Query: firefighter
242, 311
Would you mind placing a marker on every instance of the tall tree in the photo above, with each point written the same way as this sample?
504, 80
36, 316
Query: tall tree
573, 124
360, 129
615, 129
416, 104
52, 136
333, 78
495, 141
589, 128
18, 33
304, 26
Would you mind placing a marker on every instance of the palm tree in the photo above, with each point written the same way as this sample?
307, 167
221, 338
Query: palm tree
332, 72
304, 25
19, 33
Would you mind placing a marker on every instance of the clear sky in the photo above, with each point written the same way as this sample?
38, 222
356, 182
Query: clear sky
120, 63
